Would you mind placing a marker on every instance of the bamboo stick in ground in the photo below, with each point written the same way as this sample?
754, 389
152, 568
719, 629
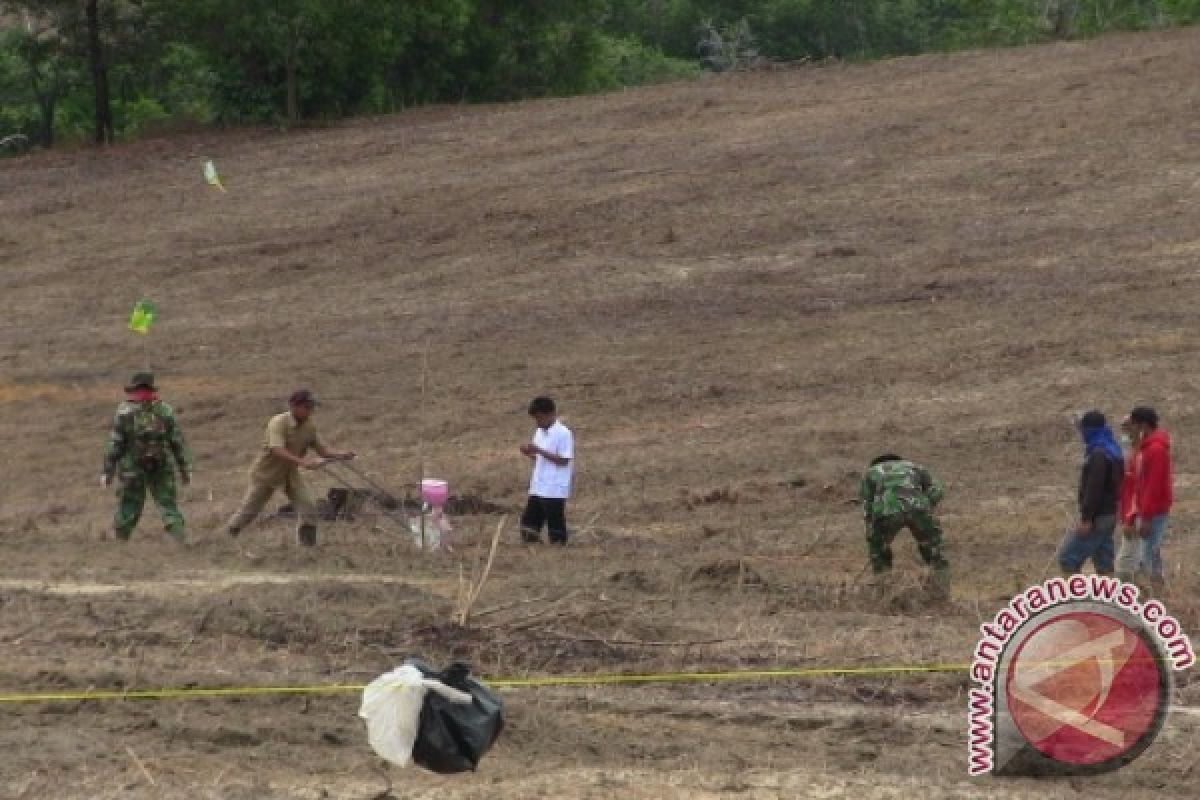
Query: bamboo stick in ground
487, 570
421, 437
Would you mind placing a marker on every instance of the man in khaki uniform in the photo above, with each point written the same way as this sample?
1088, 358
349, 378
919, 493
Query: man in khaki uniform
290, 436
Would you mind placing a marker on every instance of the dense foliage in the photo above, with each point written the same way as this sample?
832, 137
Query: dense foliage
79, 69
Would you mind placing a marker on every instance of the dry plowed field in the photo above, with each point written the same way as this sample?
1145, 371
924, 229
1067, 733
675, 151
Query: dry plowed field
740, 290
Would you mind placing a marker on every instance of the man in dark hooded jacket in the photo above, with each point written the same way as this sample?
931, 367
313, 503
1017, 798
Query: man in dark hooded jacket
1099, 498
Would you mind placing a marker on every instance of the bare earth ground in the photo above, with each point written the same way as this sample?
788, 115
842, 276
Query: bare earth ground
740, 289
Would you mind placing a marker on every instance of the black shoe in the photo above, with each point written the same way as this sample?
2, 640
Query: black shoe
308, 535
530, 537
233, 532
560, 540
123, 535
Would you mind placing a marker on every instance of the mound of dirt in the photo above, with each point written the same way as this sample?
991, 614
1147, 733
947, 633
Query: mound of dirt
342, 503
726, 574
471, 504
635, 579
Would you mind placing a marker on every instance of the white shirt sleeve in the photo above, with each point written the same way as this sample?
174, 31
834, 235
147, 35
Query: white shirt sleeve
564, 446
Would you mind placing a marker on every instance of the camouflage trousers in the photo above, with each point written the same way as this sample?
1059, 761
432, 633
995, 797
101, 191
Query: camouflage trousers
131, 499
882, 530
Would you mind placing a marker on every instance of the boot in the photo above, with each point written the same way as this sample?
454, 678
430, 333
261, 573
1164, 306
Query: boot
307, 535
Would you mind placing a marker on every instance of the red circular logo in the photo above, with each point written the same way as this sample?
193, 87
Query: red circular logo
1085, 688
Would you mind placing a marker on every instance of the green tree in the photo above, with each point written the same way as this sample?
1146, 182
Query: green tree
522, 48
18, 111
288, 59
426, 52
1182, 11
42, 42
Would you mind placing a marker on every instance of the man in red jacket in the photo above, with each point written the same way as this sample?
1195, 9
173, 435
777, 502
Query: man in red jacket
1144, 510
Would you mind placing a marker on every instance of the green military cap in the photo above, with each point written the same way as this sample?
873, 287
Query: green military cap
141, 380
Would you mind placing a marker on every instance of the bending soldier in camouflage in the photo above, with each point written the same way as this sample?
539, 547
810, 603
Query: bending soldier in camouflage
145, 438
899, 494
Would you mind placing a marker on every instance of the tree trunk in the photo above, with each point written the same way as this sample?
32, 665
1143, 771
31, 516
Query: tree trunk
1064, 19
290, 69
47, 101
47, 104
293, 99
104, 133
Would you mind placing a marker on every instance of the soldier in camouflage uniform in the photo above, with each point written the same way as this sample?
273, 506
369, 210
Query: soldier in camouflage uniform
899, 494
145, 438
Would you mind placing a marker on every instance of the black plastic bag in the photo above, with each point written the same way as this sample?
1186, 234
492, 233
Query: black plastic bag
453, 737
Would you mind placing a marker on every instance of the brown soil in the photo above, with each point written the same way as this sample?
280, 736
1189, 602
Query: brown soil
741, 289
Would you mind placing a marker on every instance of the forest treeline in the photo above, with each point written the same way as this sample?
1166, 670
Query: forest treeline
107, 69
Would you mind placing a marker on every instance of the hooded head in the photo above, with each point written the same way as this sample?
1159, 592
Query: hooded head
1093, 427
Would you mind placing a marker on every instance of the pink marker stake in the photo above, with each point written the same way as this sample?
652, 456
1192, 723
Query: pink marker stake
436, 493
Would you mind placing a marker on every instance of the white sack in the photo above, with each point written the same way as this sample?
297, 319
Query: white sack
391, 705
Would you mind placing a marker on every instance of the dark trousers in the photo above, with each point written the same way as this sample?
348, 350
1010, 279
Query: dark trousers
548, 511
1097, 544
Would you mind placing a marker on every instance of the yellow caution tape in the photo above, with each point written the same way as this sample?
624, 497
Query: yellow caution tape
709, 677
171, 694
499, 683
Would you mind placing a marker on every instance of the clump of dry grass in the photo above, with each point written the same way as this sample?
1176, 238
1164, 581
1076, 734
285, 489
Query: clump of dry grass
470, 590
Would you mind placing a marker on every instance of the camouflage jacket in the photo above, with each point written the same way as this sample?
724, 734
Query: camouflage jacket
898, 487
144, 437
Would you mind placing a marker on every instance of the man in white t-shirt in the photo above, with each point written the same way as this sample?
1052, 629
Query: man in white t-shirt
552, 452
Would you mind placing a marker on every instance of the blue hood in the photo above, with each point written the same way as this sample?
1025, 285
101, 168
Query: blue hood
1101, 439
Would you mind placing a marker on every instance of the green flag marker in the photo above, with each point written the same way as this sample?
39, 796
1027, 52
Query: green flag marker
211, 176
142, 316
